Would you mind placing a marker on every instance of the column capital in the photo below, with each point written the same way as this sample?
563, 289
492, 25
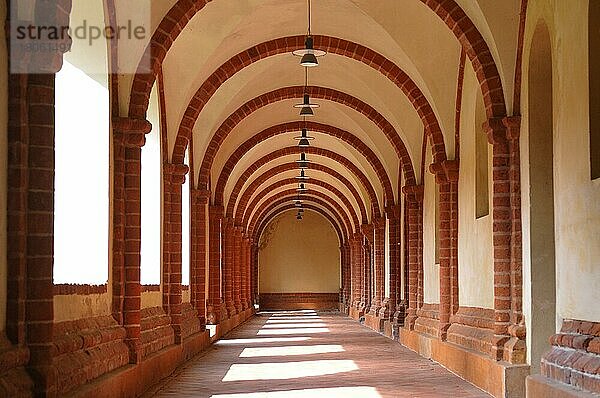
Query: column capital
445, 171
200, 196
175, 172
513, 127
367, 229
495, 130
379, 223
393, 212
414, 193
131, 130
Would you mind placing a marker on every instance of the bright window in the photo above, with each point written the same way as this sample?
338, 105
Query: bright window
81, 195
150, 250
185, 227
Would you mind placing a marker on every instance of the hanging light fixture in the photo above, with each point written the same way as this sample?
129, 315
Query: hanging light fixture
303, 162
302, 176
306, 107
298, 216
308, 53
302, 188
304, 139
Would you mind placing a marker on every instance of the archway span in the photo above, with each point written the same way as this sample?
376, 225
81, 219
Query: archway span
263, 222
251, 189
245, 176
448, 11
330, 44
315, 92
287, 196
284, 128
293, 181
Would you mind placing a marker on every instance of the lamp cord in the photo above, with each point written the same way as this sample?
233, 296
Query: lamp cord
309, 18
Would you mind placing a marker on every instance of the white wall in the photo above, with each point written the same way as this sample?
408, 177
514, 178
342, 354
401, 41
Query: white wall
475, 249
576, 197
299, 255
431, 270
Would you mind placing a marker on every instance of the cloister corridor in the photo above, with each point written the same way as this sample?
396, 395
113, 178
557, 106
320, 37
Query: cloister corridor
308, 354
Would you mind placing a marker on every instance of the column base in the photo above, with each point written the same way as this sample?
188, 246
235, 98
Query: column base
374, 321
356, 313
499, 379
541, 386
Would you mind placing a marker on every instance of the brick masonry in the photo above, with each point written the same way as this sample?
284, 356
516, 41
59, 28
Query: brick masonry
296, 301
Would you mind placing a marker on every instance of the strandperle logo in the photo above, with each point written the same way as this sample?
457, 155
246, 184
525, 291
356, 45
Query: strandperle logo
85, 32
36, 35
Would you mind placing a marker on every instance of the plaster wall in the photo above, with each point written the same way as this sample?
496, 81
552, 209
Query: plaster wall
431, 270
151, 299
576, 196
299, 256
78, 306
475, 249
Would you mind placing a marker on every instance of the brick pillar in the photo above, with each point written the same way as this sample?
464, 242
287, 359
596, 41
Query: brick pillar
413, 196
393, 214
515, 349
503, 228
174, 177
215, 297
198, 256
228, 239
237, 270
248, 287
254, 274
446, 174
346, 275
243, 258
367, 266
378, 260
355, 258
38, 203
130, 137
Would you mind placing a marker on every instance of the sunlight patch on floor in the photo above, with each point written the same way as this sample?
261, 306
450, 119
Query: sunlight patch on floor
291, 350
295, 320
294, 325
292, 331
287, 370
334, 392
262, 340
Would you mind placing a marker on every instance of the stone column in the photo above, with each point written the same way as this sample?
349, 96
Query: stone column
174, 177
501, 213
215, 297
413, 196
129, 140
378, 260
446, 175
393, 215
228, 239
198, 257
255, 273
237, 269
367, 266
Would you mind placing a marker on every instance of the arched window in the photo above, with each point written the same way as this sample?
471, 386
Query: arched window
81, 192
150, 250
185, 226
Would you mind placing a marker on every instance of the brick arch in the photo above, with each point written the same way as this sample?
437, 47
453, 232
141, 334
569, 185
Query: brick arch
284, 196
245, 198
313, 182
269, 210
311, 151
262, 224
448, 11
315, 92
332, 45
284, 128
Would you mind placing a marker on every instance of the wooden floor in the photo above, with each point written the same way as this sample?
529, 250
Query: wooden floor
305, 354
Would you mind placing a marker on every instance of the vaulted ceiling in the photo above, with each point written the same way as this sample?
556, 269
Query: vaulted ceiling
390, 76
